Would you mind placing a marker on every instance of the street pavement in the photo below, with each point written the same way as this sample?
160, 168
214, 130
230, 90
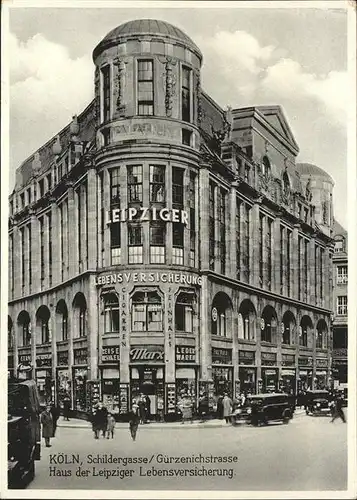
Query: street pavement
309, 453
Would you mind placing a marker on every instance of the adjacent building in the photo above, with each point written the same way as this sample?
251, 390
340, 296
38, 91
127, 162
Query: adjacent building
340, 321
161, 244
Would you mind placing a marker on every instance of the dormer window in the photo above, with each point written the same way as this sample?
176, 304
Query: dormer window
145, 88
339, 246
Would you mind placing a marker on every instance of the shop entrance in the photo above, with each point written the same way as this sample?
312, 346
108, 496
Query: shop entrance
270, 379
149, 382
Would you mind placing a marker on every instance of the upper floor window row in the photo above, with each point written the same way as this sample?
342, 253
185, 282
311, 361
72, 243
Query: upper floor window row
146, 75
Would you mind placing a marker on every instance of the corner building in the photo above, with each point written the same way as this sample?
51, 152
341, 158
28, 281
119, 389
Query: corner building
160, 244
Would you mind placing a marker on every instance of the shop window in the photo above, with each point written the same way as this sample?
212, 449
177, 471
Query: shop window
135, 241
146, 312
342, 305
186, 94
157, 243
106, 91
111, 313
157, 183
184, 313
135, 184
145, 88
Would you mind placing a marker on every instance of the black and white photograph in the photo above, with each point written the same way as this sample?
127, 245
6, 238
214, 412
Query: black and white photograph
179, 182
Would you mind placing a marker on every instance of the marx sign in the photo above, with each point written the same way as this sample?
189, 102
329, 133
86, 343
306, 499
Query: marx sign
149, 353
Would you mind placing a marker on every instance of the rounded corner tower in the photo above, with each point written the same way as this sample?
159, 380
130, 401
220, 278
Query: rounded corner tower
147, 85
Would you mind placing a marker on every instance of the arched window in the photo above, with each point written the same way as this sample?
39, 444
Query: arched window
184, 312
80, 316
288, 328
10, 337
246, 320
321, 334
24, 325
265, 166
146, 312
305, 327
111, 313
42, 325
268, 325
220, 314
62, 320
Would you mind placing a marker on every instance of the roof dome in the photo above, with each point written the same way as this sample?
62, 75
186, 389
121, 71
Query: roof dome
314, 171
145, 27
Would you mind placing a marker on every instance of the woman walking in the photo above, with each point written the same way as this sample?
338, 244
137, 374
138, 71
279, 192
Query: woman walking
47, 425
227, 407
134, 419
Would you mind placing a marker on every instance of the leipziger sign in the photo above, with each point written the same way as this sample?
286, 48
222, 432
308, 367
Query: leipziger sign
146, 214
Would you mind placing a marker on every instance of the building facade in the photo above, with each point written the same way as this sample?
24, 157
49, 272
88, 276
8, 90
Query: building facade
160, 244
340, 321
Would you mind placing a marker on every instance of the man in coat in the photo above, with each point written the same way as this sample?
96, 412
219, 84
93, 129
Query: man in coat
227, 407
47, 425
338, 411
134, 419
55, 412
66, 408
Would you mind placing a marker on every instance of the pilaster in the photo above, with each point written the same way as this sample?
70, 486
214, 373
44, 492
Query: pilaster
203, 213
93, 220
56, 243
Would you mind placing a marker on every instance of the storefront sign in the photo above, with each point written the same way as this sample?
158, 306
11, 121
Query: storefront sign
246, 357
321, 363
110, 354
170, 398
123, 317
305, 361
287, 372
129, 277
80, 356
221, 356
62, 358
185, 354
24, 359
123, 398
146, 214
170, 315
152, 353
44, 360
288, 359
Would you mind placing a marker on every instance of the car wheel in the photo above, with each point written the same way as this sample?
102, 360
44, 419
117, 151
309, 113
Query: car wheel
286, 417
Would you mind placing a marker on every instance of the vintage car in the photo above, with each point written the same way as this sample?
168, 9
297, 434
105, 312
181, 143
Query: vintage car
24, 439
264, 408
317, 402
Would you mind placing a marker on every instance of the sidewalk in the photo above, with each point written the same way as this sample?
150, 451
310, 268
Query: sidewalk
77, 423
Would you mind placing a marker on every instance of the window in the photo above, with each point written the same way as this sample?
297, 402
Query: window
222, 230
41, 186
269, 251
145, 88
184, 313
192, 219
305, 327
341, 275
135, 241
23, 257
115, 187
146, 312
186, 95
342, 305
111, 313
245, 240
238, 240
49, 182
177, 187
177, 243
157, 183
106, 93
10, 336
339, 246
135, 184
299, 257
49, 226
157, 243
261, 247
45, 332
29, 196
115, 238
26, 334
82, 321
64, 325
29, 243
11, 207
186, 137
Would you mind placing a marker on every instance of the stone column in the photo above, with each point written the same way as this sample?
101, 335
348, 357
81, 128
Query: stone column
54, 333
276, 256
106, 205
205, 337
57, 242
311, 298
36, 254
231, 241
217, 235
253, 238
93, 220
203, 213
72, 221
92, 311
65, 240
294, 263
100, 221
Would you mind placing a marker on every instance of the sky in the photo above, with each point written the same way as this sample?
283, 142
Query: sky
295, 57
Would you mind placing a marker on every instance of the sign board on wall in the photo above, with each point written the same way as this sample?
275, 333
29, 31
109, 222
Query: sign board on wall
62, 358
221, 356
44, 360
185, 354
80, 356
110, 354
164, 277
305, 361
246, 357
147, 354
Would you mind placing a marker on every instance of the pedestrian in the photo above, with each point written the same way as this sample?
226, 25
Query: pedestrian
142, 409
110, 425
55, 412
338, 411
203, 407
103, 417
186, 409
227, 407
95, 419
220, 407
147, 408
66, 408
47, 425
134, 418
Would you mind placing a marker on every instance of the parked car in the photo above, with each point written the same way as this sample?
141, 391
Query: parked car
24, 441
265, 408
317, 402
